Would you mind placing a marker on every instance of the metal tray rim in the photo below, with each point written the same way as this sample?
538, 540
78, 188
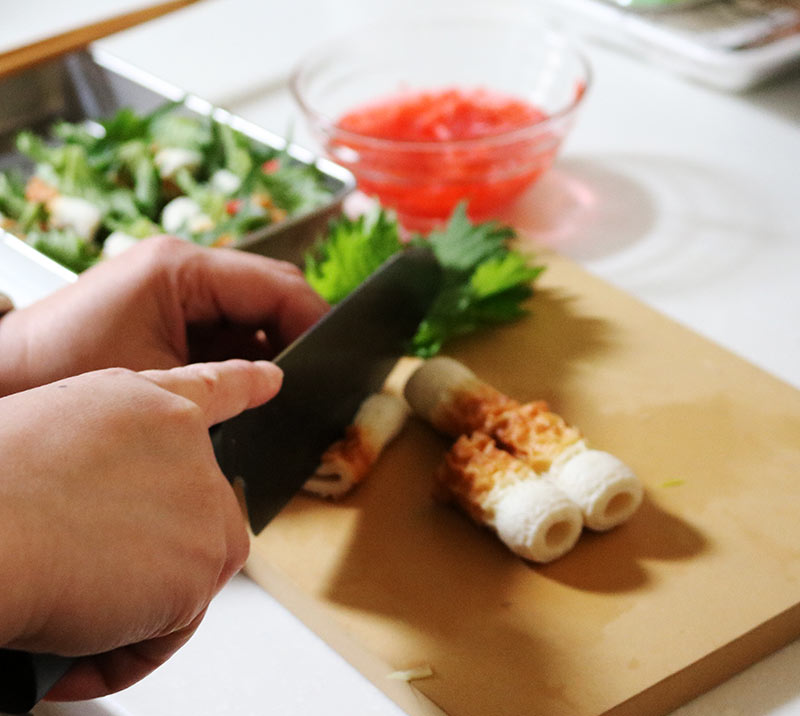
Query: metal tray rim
345, 182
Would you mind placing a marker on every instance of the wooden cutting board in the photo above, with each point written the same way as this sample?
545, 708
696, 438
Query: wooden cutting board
703, 581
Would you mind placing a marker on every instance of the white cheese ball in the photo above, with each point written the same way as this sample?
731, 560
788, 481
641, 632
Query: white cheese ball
170, 160
117, 242
72, 212
184, 213
225, 182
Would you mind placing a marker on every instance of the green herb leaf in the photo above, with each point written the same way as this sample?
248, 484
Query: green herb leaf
171, 129
136, 159
463, 245
140, 227
458, 310
484, 282
353, 249
502, 272
12, 195
235, 151
66, 247
72, 133
66, 166
295, 187
32, 215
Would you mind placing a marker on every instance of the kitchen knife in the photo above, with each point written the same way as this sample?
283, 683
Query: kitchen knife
25, 678
328, 372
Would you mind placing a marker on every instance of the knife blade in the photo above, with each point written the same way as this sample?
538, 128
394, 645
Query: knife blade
328, 372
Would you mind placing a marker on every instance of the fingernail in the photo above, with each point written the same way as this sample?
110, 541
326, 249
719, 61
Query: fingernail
268, 365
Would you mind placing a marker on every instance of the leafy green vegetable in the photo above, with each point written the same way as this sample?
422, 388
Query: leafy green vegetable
66, 247
68, 164
491, 293
209, 200
12, 195
250, 217
112, 165
484, 282
171, 129
353, 249
136, 159
117, 205
296, 187
73, 133
462, 246
235, 151
128, 124
32, 214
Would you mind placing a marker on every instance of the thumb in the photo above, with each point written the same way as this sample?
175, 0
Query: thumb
221, 390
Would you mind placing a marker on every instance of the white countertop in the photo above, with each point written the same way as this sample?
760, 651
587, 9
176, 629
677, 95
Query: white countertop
681, 195
48, 18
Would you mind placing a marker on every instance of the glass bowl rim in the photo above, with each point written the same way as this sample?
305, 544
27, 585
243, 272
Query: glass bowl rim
327, 124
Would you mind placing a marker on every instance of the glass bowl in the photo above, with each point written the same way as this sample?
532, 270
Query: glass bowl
486, 57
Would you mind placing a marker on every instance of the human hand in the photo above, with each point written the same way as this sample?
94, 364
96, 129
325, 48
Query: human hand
116, 523
163, 303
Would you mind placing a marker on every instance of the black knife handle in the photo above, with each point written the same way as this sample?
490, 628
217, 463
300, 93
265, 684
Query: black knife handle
25, 678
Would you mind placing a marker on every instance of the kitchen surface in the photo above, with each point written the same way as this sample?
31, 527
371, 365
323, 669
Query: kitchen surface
681, 194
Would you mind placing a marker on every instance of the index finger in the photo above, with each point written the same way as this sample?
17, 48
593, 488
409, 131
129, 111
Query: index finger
249, 289
221, 390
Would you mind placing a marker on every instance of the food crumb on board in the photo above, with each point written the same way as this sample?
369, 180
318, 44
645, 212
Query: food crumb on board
673, 483
419, 672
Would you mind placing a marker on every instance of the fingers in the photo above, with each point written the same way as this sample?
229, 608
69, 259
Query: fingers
248, 289
221, 390
94, 676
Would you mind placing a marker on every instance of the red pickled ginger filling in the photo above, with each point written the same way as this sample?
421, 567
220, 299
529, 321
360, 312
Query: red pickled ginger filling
441, 115
421, 175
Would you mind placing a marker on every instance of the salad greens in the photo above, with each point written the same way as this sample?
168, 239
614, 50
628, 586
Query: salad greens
120, 178
484, 282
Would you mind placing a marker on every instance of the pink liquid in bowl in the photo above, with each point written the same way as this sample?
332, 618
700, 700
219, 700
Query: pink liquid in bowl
423, 152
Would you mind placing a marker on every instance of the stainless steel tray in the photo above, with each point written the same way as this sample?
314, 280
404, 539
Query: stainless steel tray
91, 84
